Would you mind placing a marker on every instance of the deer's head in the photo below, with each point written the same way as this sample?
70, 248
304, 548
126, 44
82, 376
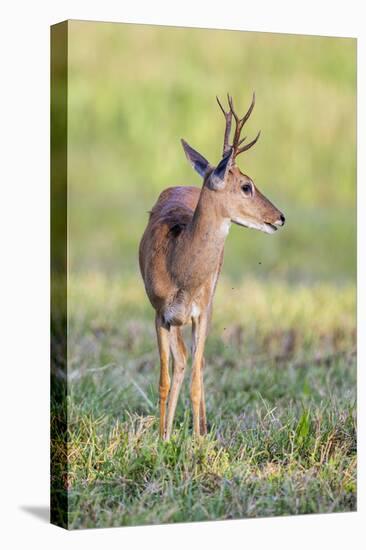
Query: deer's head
239, 199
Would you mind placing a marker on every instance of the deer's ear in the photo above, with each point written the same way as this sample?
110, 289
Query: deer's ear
217, 179
199, 163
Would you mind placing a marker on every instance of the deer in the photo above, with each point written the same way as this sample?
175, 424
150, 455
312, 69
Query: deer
181, 255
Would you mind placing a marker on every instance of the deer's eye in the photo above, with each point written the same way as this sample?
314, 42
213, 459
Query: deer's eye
247, 189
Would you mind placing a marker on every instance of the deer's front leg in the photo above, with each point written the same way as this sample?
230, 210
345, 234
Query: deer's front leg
199, 330
179, 354
162, 333
203, 422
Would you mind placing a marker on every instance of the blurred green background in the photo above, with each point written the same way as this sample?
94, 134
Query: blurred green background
134, 90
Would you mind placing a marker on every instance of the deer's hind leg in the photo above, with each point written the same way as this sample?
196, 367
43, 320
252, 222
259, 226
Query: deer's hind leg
179, 353
162, 333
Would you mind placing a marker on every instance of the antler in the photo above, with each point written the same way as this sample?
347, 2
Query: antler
239, 123
228, 117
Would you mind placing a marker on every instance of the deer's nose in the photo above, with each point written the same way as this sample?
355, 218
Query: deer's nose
280, 221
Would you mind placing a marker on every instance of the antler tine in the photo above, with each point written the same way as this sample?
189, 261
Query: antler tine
239, 125
221, 107
248, 145
249, 111
231, 105
228, 119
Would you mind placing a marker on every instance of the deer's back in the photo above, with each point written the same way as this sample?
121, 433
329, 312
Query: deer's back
175, 205
168, 218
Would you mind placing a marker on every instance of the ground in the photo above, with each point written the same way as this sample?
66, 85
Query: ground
281, 404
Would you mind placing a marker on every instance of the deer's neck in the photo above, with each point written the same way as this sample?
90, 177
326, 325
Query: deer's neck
204, 240
209, 226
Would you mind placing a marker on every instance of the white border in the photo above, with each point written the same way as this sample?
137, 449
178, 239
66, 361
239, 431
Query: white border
25, 268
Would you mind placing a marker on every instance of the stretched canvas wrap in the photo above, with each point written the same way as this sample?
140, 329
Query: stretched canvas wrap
203, 275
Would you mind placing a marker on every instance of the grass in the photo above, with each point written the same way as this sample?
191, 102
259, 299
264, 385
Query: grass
280, 386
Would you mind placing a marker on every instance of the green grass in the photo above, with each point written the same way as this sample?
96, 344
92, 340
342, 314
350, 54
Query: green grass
281, 398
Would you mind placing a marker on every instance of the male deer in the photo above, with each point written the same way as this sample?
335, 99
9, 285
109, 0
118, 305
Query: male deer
181, 254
